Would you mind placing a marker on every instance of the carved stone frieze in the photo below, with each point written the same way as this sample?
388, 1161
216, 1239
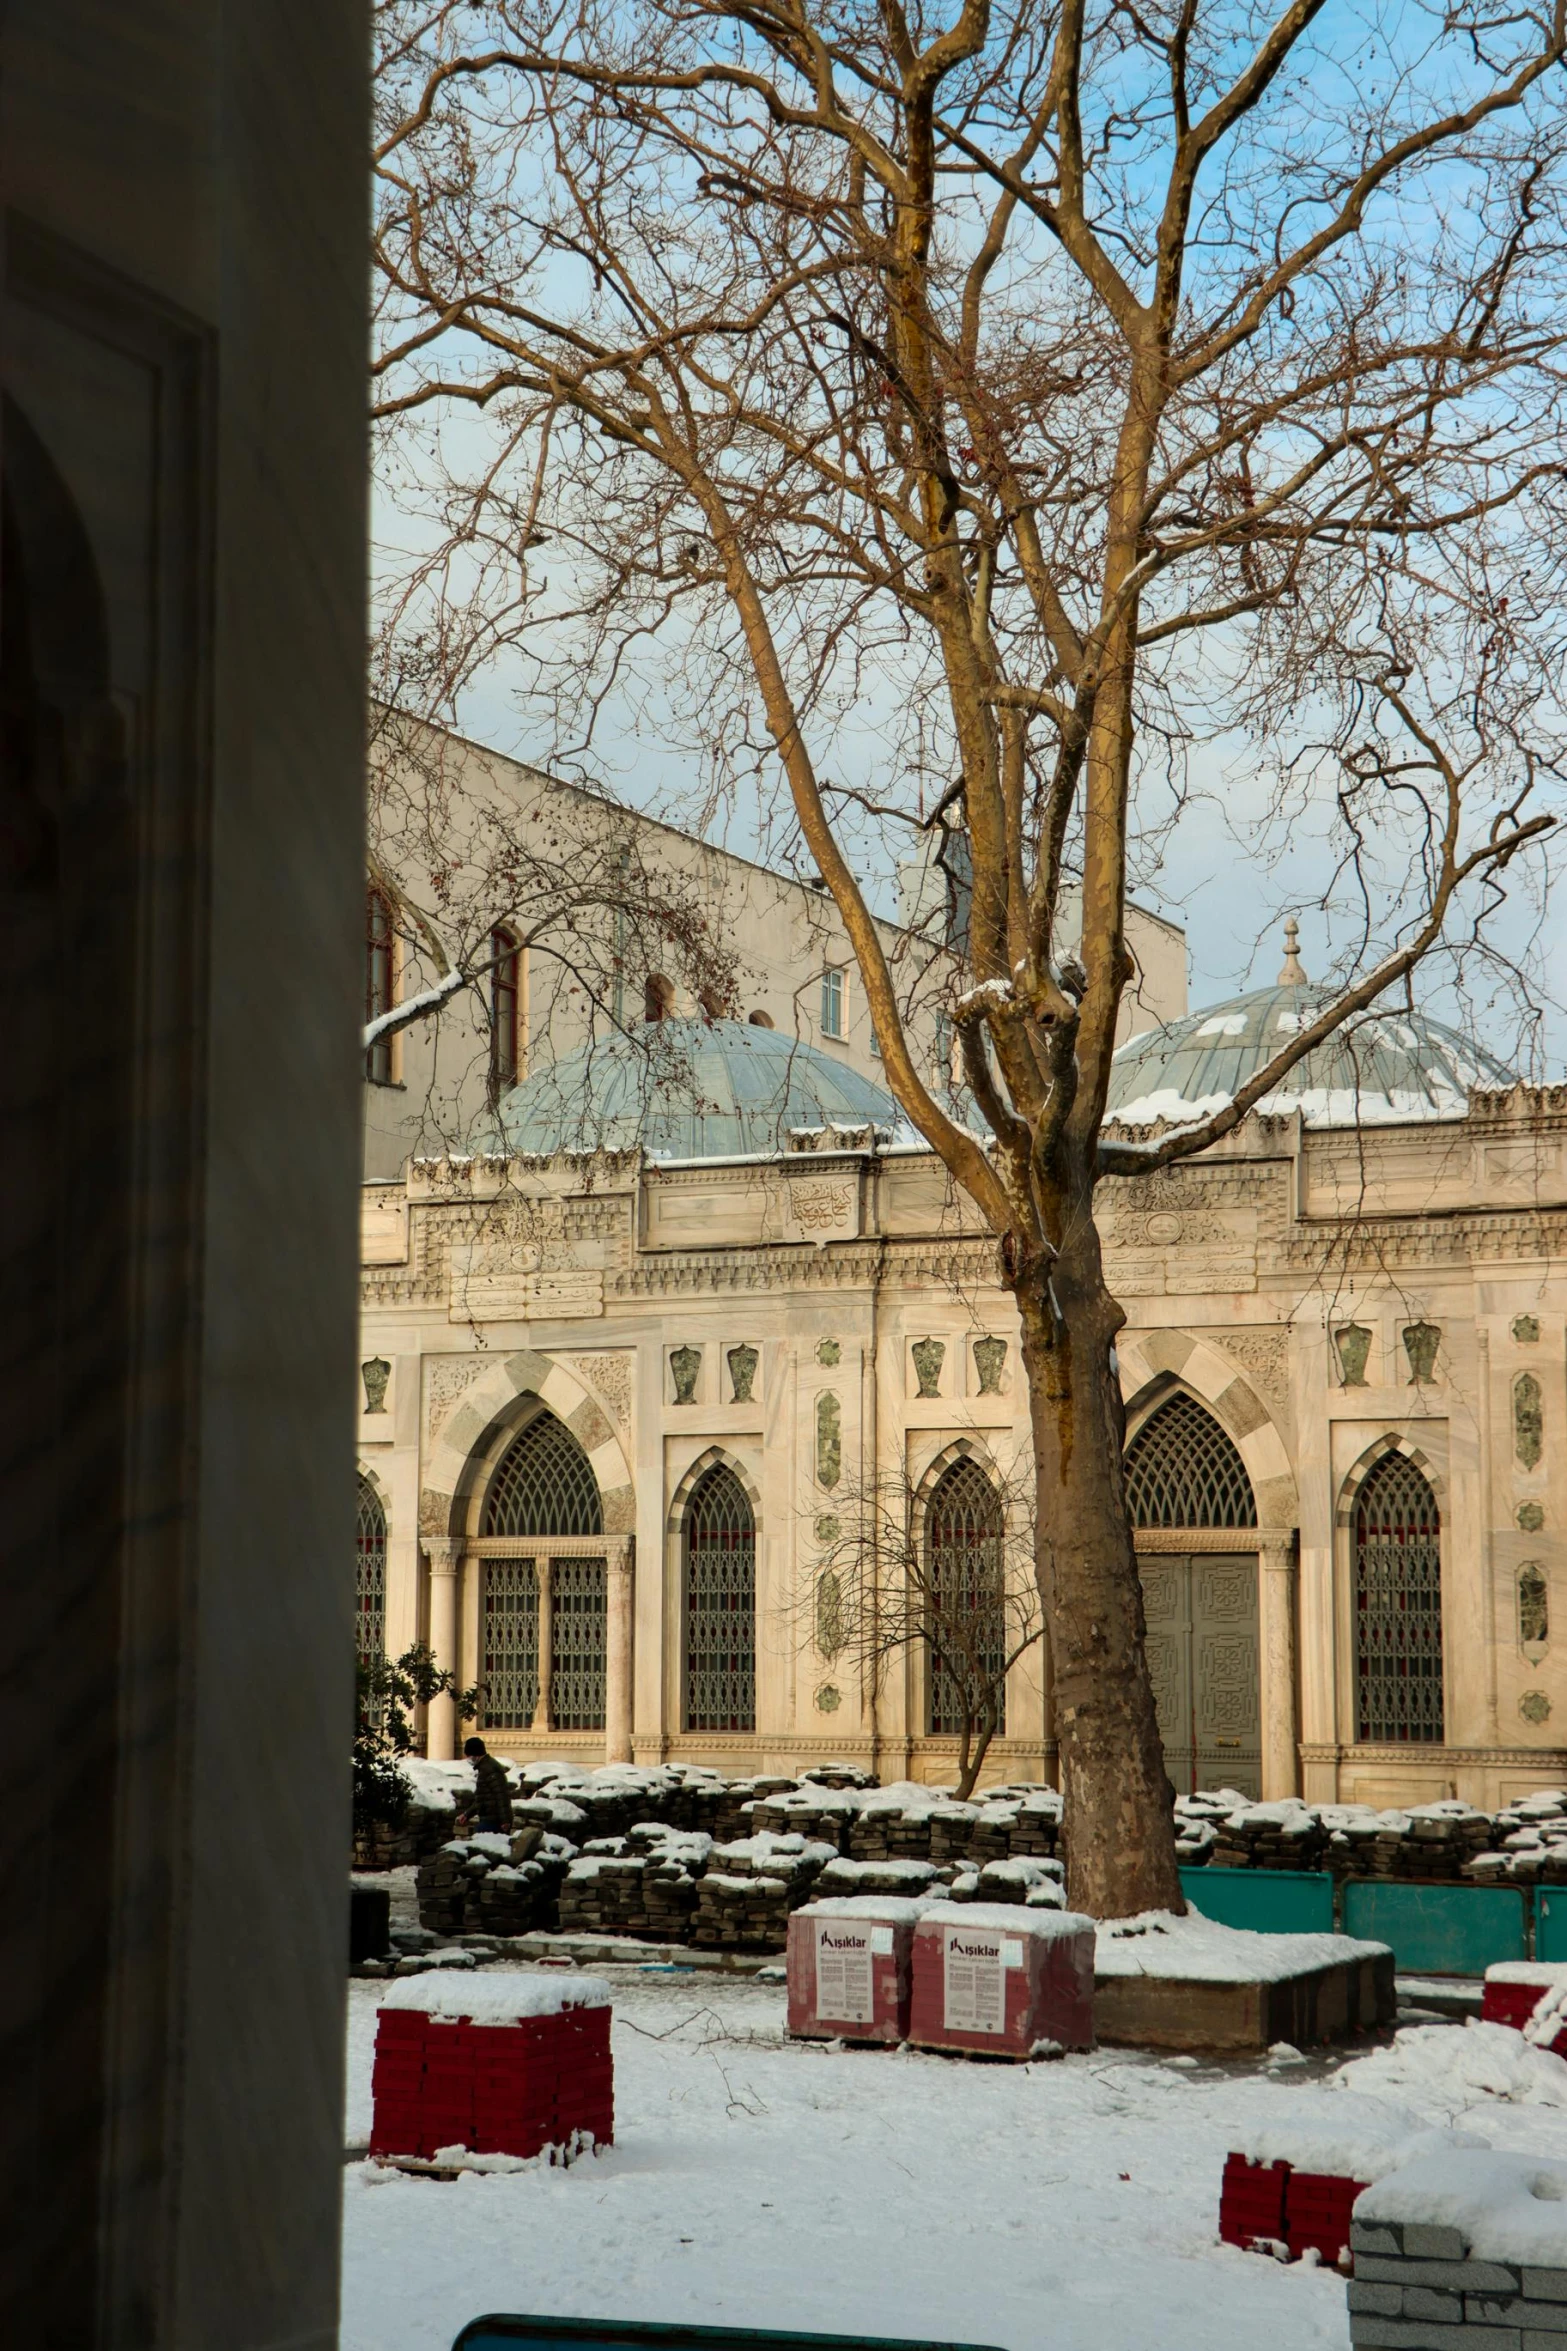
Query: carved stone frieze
446, 1377
609, 1377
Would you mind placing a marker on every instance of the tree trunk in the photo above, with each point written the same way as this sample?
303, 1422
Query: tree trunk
1120, 1829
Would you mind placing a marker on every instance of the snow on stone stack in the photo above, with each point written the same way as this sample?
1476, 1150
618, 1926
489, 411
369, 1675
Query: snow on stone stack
850, 1969
1001, 1980
843, 1879
750, 1887
449, 1883
894, 1823
494, 2067
732, 1813
1286, 1835
1466, 2247
1528, 1843
951, 1829
826, 1815
644, 1883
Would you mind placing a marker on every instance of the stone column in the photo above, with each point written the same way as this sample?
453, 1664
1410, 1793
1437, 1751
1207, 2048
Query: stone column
1276, 1625
445, 1556
617, 1654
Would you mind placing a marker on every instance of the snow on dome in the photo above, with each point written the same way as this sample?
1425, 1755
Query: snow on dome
698, 1089
1386, 1067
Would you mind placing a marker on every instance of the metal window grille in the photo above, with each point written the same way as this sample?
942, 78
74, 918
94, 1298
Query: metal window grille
968, 1638
544, 1485
370, 1588
505, 1008
509, 1641
1183, 1471
578, 1622
720, 1605
832, 1003
1398, 1606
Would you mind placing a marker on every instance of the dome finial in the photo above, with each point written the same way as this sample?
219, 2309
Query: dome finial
1293, 974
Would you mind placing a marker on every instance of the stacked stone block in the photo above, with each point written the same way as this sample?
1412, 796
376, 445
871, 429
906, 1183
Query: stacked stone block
1418, 2287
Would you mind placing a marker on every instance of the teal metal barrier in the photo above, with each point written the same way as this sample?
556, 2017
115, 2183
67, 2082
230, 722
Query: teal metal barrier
1550, 1922
1438, 1930
1269, 1901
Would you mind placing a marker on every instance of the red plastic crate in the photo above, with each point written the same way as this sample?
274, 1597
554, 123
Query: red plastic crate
1502, 2002
1317, 2209
513, 2089
1252, 2200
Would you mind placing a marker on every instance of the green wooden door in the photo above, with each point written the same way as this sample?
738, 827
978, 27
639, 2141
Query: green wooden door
1201, 1614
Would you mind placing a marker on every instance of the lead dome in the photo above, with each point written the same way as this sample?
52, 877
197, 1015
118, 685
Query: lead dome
692, 1089
1383, 1068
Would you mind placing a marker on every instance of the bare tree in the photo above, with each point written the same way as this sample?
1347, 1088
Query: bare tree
946, 1578
1056, 387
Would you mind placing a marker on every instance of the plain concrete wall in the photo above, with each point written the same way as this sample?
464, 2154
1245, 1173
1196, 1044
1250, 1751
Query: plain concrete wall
186, 274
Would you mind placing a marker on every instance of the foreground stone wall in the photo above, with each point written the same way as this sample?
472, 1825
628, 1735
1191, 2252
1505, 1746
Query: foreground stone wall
1417, 2286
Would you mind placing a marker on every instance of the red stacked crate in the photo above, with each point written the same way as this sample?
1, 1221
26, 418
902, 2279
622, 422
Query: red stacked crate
532, 2071
1001, 1980
1514, 1989
1317, 2207
849, 1968
1251, 2202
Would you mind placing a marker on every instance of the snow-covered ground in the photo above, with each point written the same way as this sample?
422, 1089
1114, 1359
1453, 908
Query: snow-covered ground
1057, 2207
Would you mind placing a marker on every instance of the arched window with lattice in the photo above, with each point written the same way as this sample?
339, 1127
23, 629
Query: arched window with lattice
1398, 1606
543, 1492
719, 1543
370, 1587
1182, 1470
966, 1633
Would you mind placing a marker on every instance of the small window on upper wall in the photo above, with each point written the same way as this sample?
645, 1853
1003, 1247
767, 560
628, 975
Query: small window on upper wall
378, 982
505, 1012
760, 1020
833, 1022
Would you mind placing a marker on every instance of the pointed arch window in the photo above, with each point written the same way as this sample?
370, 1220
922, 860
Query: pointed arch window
543, 1627
1182, 1470
544, 1485
967, 1614
720, 1605
370, 1585
1398, 1607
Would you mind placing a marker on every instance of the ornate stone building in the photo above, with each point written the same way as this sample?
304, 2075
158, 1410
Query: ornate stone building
616, 1406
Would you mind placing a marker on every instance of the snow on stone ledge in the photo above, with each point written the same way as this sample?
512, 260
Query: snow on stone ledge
1506, 2207
1351, 2138
499, 1999
1198, 1950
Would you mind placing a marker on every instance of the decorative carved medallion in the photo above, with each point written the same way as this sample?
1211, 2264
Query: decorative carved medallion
1421, 1341
1531, 1517
1526, 1329
742, 1362
1534, 1706
1528, 1420
827, 1528
1353, 1344
928, 1354
684, 1365
828, 1352
828, 1699
829, 1440
990, 1355
375, 1375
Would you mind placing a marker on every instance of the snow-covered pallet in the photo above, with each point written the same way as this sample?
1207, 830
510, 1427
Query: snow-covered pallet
999, 1980
499, 2067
